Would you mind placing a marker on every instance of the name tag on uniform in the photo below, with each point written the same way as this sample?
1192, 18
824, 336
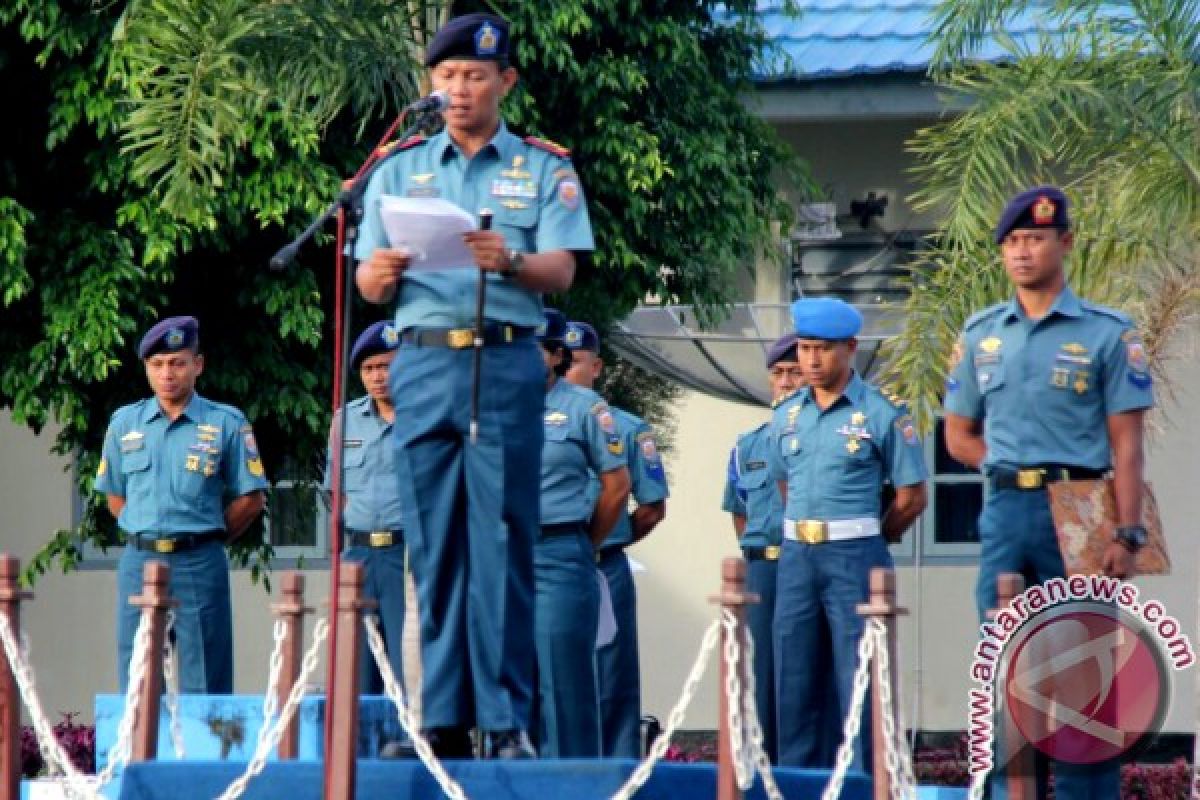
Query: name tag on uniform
556, 418
502, 187
755, 465
132, 441
354, 443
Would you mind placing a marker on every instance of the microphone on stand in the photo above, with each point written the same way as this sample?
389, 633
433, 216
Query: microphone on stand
434, 101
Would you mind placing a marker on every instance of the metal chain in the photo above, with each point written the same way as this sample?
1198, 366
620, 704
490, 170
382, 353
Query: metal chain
853, 722
675, 719
268, 743
733, 701
391, 687
271, 695
897, 759
757, 751
171, 684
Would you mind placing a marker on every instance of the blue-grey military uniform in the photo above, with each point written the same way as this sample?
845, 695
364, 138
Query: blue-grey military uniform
617, 663
1044, 390
373, 527
750, 492
175, 478
471, 512
580, 439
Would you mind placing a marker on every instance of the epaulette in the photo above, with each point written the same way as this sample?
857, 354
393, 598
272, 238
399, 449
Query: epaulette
892, 396
1112, 313
980, 316
399, 147
550, 147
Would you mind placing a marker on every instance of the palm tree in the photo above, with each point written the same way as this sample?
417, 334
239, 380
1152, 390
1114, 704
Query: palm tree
201, 75
1107, 108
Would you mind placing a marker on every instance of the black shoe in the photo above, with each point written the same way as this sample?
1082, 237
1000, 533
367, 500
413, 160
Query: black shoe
508, 745
453, 742
398, 749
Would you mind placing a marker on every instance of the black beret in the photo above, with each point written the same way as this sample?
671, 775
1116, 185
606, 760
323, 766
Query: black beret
555, 327
781, 348
476, 37
170, 336
379, 338
1040, 207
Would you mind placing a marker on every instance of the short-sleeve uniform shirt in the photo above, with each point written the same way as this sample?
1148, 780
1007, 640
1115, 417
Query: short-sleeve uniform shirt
536, 201
836, 460
1045, 387
580, 439
175, 476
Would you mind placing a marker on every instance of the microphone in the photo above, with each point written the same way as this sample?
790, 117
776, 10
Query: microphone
434, 101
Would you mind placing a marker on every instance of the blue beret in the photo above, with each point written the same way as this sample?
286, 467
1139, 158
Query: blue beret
170, 336
825, 318
381, 337
1040, 207
780, 349
555, 327
476, 37
581, 336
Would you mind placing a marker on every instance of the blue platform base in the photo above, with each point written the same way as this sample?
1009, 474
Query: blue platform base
493, 780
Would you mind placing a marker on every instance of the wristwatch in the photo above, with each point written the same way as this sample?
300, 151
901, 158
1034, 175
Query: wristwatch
1133, 537
516, 260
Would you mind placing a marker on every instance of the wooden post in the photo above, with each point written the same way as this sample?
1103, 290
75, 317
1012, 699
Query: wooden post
881, 604
154, 601
1019, 767
734, 598
290, 609
10, 701
342, 703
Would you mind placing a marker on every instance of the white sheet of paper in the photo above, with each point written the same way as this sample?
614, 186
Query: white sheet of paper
430, 229
606, 631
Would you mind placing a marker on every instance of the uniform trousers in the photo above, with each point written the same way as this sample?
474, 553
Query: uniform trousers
1016, 533
618, 670
567, 609
471, 517
384, 584
203, 628
820, 583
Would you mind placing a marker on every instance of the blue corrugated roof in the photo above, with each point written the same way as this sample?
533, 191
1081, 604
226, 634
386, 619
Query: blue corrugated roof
841, 38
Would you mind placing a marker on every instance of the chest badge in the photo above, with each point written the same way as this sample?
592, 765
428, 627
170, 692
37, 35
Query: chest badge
517, 170
1081, 382
858, 418
990, 345
556, 418
852, 446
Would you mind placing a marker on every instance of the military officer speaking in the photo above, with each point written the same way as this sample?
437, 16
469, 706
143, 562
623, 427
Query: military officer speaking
1047, 387
372, 525
618, 672
168, 466
472, 505
833, 444
754, 502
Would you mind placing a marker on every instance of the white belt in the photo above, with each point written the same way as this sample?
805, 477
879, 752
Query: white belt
811, 531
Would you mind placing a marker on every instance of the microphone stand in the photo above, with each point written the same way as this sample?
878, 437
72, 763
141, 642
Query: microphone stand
348, 208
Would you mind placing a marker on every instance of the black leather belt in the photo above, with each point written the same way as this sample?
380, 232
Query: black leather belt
1032, 478
462, 338
562, 528
355, 538
172, 542
768, 553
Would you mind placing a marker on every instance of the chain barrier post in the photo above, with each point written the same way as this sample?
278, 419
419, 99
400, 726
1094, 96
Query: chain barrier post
10, 704
154, 601
881, 605
733, 598
342, 705
291, 610
1019, 771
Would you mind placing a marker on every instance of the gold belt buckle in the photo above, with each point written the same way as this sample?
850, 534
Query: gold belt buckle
771, 552
812, 531
164, 546
1029, 479
380, 538
460, 338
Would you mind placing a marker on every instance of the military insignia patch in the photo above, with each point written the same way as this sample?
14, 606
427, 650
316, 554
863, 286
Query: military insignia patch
648, 446
568, 194
255, 466
908, 430
103, 468
421, 178
248, 439
174, 338
487, 39
956, 355
550, 147
574, 337
1043, 211
852, 446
